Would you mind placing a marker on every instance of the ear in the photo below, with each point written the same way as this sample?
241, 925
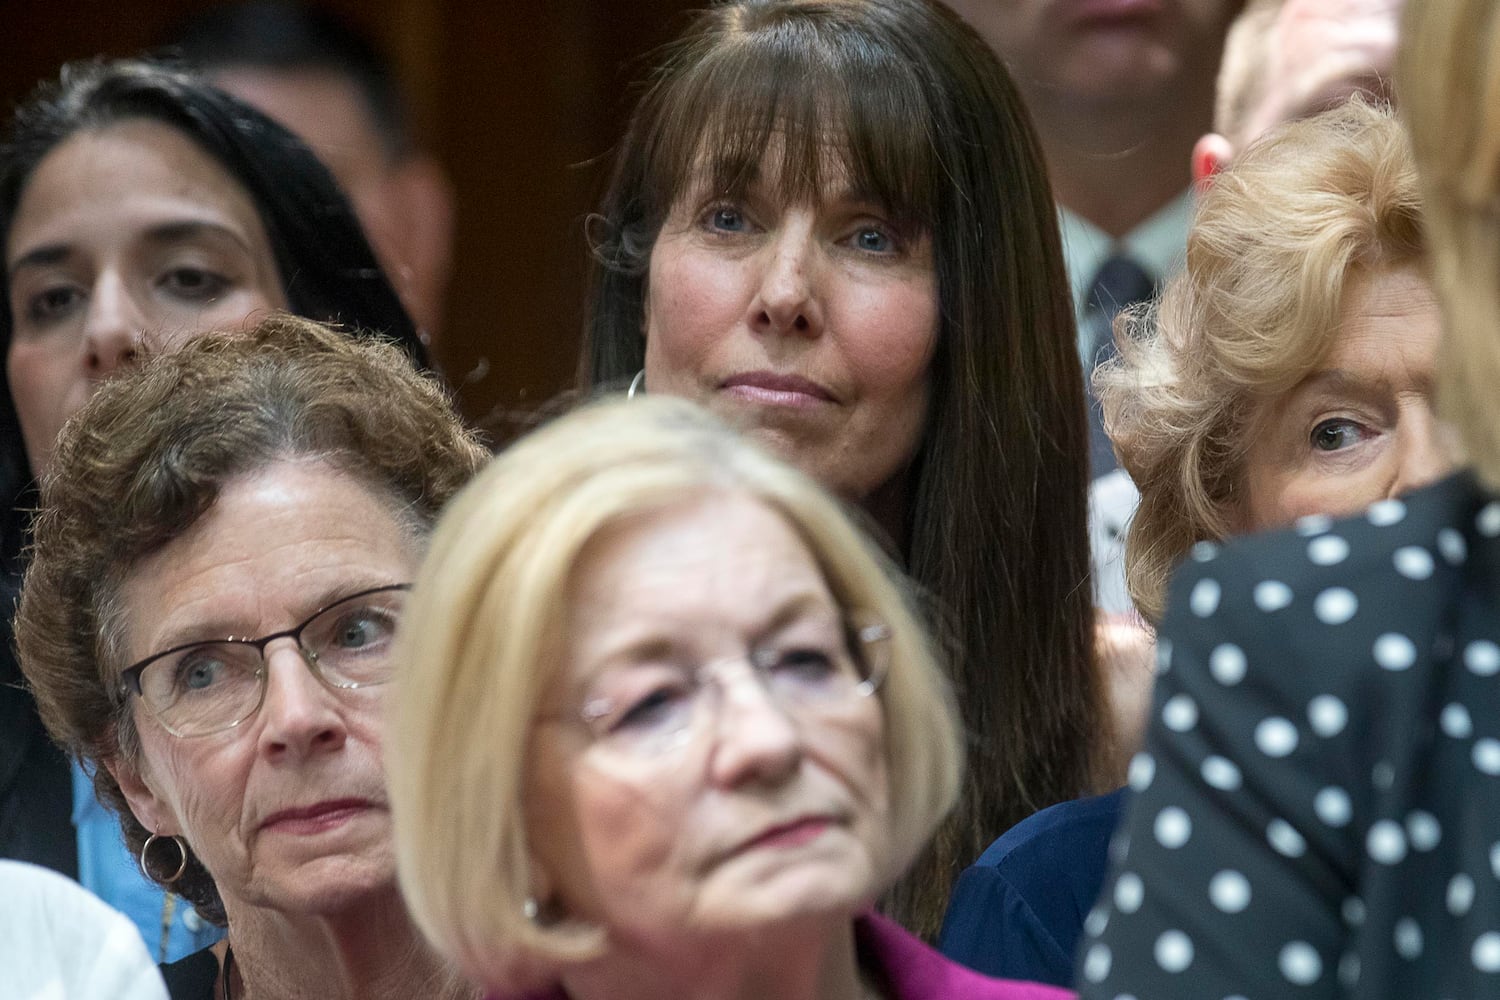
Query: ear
149, 809
1211, 154
426, 197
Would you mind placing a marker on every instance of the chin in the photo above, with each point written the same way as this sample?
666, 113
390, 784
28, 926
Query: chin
330, 885
794, 893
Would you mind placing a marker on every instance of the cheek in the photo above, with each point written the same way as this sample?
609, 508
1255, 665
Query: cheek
692, 304
47, 384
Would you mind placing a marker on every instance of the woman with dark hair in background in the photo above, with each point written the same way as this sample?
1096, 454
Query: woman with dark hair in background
830, 223
138, 204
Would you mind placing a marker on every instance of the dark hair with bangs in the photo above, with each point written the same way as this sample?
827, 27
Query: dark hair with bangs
326, 266
933, 130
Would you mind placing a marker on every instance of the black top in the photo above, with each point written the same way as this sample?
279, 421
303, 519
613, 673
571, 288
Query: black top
1317, 809
193, 977
36, 785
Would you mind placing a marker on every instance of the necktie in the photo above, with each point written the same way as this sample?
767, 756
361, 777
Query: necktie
1119, 284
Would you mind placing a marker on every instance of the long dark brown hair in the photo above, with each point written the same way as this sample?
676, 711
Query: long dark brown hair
928, 125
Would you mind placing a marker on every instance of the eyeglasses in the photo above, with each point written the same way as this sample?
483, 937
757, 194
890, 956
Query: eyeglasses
805, 679
201, 688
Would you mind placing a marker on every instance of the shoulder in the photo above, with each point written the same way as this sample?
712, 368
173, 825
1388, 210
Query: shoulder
1379, 582
1062, 830
56, 936
910, 970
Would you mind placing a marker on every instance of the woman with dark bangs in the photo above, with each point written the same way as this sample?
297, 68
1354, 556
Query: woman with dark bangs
830, 223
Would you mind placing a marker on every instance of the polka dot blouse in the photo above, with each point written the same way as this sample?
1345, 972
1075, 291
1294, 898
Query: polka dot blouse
1317, 809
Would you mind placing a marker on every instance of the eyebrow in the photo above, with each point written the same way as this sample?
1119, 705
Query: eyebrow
1342, 380
217, 629
653, 645
50, 254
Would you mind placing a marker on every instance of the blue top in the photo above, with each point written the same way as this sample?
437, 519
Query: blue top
1018, 912
106, 868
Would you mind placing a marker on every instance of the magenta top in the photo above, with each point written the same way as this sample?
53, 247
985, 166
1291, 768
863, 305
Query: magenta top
908, 970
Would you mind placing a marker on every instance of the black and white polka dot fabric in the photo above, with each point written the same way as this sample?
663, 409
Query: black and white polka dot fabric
1317, 809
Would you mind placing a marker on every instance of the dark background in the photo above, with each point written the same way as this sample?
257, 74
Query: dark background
521, 100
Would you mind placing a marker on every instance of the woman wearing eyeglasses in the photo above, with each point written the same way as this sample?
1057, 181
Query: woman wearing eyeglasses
669, 727
220, 562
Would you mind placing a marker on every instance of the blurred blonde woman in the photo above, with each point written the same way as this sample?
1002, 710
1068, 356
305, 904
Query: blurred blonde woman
669, 727
1318, 804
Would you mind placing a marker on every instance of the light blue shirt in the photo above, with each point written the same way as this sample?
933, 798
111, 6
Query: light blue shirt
107, 869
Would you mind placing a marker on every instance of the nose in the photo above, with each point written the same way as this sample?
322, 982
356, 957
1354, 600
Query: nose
113, 326
786, 302
1425, 456
756, 741
300, 716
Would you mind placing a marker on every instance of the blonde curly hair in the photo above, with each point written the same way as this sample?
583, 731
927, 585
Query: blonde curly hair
1274, 245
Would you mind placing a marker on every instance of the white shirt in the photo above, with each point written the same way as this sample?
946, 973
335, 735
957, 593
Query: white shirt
60, 942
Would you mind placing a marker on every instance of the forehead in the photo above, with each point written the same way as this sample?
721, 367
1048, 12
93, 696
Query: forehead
275, 544
724, 562
135, 172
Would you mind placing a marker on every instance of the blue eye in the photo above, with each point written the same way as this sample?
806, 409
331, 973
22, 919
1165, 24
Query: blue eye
1336, 435
727, 219
873, 241
199, 670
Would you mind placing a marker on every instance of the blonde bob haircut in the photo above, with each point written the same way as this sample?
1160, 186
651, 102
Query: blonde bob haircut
1275, 242
1448, 82
483, 643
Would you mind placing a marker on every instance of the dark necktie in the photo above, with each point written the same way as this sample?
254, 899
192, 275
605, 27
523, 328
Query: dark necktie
1119, 284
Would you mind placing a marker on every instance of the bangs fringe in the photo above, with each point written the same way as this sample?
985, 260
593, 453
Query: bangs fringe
805, 110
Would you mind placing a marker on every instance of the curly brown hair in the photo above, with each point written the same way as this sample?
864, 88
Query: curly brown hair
148, 456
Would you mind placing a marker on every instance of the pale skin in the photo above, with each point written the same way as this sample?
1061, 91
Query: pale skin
731, 869
313, 908
1318, 54
1118, 93
125, 234
810, 326
1362, 427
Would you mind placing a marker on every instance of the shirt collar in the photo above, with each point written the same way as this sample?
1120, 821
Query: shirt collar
1158, 244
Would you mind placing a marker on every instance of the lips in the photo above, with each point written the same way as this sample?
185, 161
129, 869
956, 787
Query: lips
316, 818
1106, 13
802, 830
778, 389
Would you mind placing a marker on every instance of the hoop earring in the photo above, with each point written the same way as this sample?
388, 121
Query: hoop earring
181, 867
637, 385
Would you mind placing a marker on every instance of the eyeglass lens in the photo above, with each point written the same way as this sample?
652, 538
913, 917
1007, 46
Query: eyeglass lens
212, 686
646, 711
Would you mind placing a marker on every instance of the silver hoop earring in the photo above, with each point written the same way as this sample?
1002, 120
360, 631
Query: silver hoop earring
637, 384
181, 866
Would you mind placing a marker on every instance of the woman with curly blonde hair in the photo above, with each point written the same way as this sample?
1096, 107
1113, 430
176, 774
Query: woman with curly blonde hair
1287, 370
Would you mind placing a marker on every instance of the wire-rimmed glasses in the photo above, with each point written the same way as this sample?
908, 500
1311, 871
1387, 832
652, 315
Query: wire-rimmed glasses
200, 688
805, 677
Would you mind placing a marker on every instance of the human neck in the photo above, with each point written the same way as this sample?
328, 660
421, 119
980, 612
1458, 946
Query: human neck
1117, 167
372, 950
810, 960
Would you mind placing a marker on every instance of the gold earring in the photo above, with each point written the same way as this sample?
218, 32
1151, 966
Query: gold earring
181, 865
